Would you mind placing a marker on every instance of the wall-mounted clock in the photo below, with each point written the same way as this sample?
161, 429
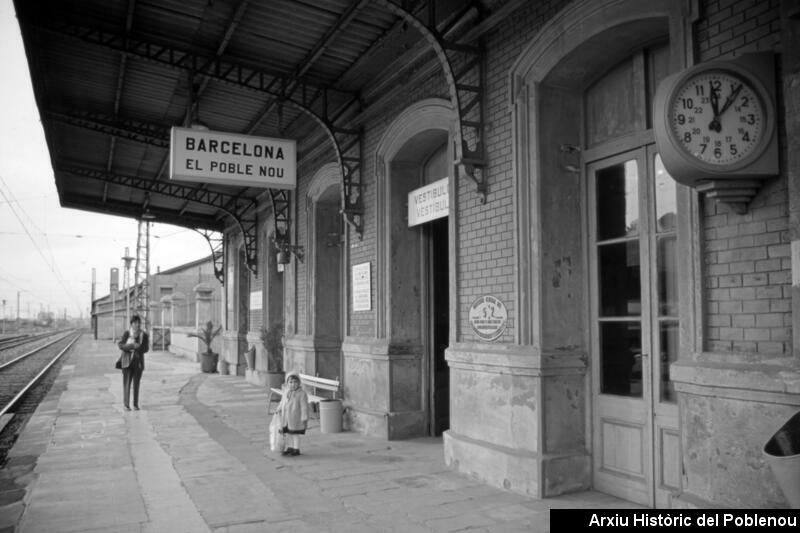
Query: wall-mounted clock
716, 121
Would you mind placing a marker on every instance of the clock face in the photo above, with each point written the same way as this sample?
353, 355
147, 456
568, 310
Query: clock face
718, 117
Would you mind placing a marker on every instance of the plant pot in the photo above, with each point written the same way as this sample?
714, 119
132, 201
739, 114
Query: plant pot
782, 453
250, 358
275, 379
224, 367
208, 362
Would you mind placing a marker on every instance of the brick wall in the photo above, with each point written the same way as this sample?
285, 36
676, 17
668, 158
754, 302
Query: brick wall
746, 257
747, 265
486, 231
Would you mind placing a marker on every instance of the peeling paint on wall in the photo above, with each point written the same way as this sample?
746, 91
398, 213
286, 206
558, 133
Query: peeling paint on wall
561, 267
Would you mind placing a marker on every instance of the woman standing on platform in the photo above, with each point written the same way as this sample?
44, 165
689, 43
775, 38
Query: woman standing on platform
134, 344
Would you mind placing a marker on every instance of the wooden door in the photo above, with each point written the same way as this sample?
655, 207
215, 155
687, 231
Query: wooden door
633, 316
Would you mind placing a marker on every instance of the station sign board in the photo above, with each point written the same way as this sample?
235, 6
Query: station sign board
428, 203
206, 156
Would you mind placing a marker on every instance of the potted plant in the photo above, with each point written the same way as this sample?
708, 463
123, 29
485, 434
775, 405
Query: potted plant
272, 340
208, 359
250, 358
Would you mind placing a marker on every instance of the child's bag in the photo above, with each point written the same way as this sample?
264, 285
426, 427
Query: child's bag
275, 435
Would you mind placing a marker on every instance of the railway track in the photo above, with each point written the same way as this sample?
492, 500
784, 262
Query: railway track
24, 381
11, 347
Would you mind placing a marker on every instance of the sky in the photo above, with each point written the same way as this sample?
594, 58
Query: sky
47, 252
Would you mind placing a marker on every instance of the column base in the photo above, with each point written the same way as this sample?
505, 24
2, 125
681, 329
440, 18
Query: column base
383, 389
512, 470
516, 470
391, 426
730, 405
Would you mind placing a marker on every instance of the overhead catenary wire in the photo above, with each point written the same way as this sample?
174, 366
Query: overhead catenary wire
6, 193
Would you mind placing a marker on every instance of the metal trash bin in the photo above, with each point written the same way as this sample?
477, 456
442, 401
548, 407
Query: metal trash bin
330, 416
782, 454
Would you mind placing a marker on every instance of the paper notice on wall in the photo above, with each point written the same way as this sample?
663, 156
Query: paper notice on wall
362, 289
255, 301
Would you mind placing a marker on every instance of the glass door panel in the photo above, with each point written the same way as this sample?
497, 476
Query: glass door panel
620, 282
619, 278
667, 354
621, 358
665, 342
620, 319
665, 310
617, 190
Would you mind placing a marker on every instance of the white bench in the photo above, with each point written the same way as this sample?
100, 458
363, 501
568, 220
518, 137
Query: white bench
312, 385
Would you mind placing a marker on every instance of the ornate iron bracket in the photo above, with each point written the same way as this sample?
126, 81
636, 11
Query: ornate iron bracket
245, 215
249, 228
217, 244
241, 210
464, 70
349, 148
281, 209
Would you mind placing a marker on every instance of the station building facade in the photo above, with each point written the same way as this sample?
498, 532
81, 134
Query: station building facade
172, 300
584, 322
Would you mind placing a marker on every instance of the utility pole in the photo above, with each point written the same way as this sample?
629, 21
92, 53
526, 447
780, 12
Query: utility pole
113, 289
4, 317
141, 282
17, 311
128, 259
91, 303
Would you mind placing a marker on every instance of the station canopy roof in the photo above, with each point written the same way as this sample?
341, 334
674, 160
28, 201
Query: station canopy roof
112, 77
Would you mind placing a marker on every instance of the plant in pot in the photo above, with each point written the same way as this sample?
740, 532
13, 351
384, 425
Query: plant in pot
208, 359
272, 340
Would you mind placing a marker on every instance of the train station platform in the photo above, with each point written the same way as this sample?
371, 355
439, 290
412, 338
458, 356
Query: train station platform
196, 458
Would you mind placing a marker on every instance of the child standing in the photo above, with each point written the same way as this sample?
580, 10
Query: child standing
293, 410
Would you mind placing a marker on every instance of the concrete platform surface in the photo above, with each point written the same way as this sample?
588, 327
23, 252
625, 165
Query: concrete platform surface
196, 458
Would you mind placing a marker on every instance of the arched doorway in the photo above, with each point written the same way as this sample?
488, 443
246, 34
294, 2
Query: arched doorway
436, 311
242, 311
597, 238
271, 366
326, 306
420, 267
414, 270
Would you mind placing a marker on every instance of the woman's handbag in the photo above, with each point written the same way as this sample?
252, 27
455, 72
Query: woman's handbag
125, 356
124, 359
275, 435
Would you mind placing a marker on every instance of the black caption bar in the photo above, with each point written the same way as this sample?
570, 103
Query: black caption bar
712, 520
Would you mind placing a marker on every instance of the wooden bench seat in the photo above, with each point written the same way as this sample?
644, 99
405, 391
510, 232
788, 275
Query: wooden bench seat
312, 385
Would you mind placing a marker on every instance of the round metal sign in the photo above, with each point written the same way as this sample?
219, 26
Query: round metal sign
488, 317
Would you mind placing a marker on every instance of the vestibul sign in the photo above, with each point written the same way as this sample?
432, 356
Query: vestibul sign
428, 203
230, 159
